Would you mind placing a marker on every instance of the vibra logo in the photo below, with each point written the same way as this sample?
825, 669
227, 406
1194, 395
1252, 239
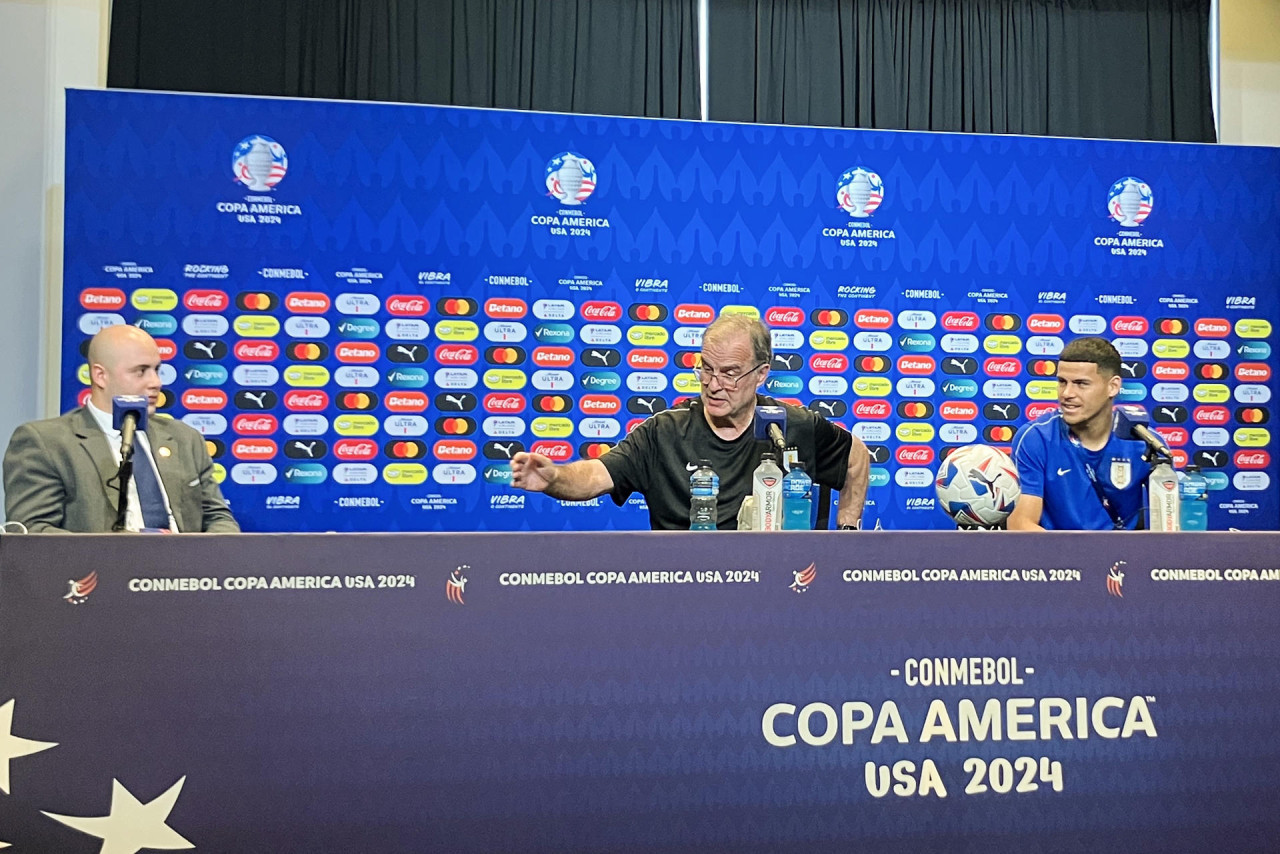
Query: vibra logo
283, 502
506, 501
695, 313
920, 504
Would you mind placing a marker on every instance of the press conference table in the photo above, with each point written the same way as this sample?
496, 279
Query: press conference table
800, 691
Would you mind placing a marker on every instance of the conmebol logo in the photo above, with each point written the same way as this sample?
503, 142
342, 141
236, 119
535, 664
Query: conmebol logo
407, 305
694, 313
206, 300
307, 302
783, 315
598, 310
1129, 325
102, 299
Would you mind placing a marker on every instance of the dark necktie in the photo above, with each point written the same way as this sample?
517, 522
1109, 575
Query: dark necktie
150, 498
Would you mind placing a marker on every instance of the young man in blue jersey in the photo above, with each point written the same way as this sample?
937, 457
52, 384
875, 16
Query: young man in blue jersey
1075, 475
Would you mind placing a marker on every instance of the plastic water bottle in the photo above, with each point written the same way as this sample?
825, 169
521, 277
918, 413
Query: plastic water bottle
797, 500
1193, 496
704, 491
766, 486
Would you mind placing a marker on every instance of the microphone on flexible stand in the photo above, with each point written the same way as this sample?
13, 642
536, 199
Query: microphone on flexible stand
1129, 421
128, 415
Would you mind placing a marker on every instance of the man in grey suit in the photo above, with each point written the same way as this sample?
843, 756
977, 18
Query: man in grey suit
60, 473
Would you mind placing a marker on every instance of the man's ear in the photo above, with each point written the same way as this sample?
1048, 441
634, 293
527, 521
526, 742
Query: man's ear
1114, 385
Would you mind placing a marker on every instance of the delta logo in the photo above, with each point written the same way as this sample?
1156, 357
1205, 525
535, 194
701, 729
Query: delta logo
355, 449
1130, 325
455, 425
257, 351
1213, 327
253, 449
599, 404
258, 424
457, 354
102, 299
600, 311
357, 352
784, 315
647, 312
507, 308
958, 410
204, 400
1170, 371
405, 401
1003, 322
1046, 324
871, 410
914, 455
306, 401
831, 317
959, 321
504, 403
695, 313
307, 302
1251, 459
1212, 415
649, 360
873, 318
829, 363
919, 366
207, 300
407, 305
553, 450
1253, 372
456, 307
553, 357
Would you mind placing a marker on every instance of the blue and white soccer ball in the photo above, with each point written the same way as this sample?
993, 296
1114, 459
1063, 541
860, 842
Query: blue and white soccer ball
977, 486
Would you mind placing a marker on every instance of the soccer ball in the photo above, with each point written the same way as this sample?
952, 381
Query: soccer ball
977, 486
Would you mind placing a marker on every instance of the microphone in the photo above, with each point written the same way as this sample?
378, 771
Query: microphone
1129, 421
128, 415
771, 425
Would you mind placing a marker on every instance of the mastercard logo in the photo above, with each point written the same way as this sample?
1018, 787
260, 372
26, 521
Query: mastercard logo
1003, 322
915, 409
1206, 370
647, 312
594, 450
1252, 415
357, 400
1042, 368
504, 355
998, 433
687, 359
306, 351
455, 425
829, 317
456, 307
872, 364
256, 301
1172, 326
552, 403
405, 449
214, 447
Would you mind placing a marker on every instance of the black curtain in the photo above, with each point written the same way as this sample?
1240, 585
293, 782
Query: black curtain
620, 57
1124, 69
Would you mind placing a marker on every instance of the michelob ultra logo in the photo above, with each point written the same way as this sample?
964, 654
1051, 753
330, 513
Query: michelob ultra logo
502, 379
404, 474
1211, 393
1170, 348
457, 330
551, 427
647, 336
828, 339
1253, 328
872, 386
256, 326
154, 299
355, 425
306, 376
1002, 345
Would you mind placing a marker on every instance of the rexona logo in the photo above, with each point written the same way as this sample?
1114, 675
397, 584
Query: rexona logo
258, 424
207, 400
506, 307
406, 401
206, 300
695, 313
553, 333
782, 315
407, 305
1130, 325
306, 401
457, 354
829, 363
1213, 327
600, 311
959, 321
915, 455
307, 302
1046, 324
916, 365
958, 410
915, 342
102, 299
873, 410
873, 318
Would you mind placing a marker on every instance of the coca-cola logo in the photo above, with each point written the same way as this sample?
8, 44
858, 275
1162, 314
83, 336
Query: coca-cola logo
306, 401
829, 363
307, 302
875, 410
255, 424
959, 321
402, 305
1032, 411
1211, 415
1046, 324
257, 351
1213, 327
1170, 370
500, 403
1252, 459
958, 410
648, 360
552, 357
873, 318
205, 399
405, 401
205, 300
1174, 436
917, 365
506, 307
355, 449
98, 299
694, 313
454, 449
997, 367
1130, 325
1253, 372
599, 404
457, 354
915, 455
784, 316
558, 451
599, 310
253, 449
357, 352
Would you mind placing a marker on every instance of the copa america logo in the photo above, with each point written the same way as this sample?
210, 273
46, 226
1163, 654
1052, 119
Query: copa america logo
259, 162
571, 178
859, 192
1129, 201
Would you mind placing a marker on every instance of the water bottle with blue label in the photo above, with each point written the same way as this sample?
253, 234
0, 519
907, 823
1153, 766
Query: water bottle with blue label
797, 500
704, 492
1193, 496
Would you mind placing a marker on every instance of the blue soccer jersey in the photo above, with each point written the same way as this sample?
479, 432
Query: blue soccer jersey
1054, 468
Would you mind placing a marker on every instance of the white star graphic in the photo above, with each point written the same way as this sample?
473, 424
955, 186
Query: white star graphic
132, 825
11, 746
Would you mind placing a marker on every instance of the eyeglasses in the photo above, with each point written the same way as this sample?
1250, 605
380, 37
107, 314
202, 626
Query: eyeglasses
729, 379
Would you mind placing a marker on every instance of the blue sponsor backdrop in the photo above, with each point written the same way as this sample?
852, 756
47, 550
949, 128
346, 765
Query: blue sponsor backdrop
367, 308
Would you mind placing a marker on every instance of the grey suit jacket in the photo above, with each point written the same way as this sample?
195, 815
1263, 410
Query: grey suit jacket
56, 475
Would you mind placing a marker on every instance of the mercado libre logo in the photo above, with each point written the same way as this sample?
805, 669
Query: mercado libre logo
259, 162
859, 192
1130, 201
571, 178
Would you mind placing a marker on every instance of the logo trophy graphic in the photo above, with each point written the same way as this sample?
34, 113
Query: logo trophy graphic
859, 192
259, 162
1129, 201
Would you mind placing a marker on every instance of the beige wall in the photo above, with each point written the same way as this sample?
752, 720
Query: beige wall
1250, 71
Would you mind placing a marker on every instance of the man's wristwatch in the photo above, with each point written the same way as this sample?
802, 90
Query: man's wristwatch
848, 528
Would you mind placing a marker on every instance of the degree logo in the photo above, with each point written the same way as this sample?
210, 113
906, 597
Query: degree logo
455, 425
456, 307
305, 302
355, 327
306, 351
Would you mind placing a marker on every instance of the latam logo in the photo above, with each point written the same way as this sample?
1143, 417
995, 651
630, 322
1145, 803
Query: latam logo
599, 404
258, 424
829, 363
1035, 410
405, 401
873, 318
1046, 324
958, 410
648, 360
506, 307
253, 449
695, 313
204, 399
1252, 459
1253, 372
306, 401
1170, 371
357, 352
874, 410
355, 449
916, 365
208, 300
557, 451
1002, 367
257, 351
599, 310
1211, 415
407, 305
457, 354
102, 299
454, 449
307, 302
553, 357
781, 315
1213, 327
915, 455
960, 321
